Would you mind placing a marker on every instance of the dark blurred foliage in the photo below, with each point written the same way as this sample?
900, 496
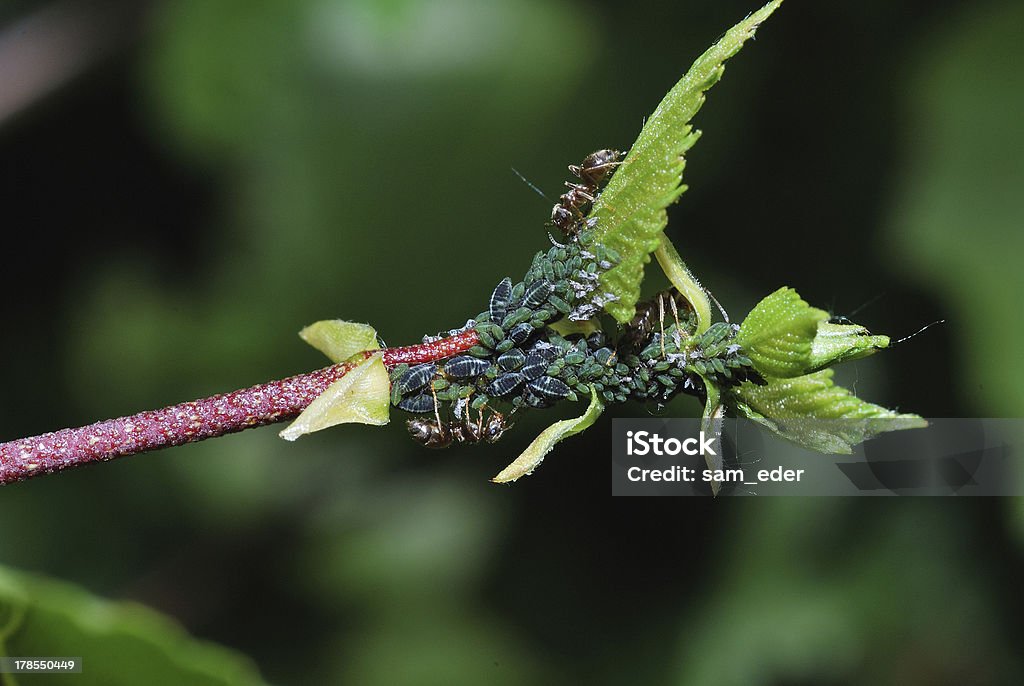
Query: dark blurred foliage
227, 172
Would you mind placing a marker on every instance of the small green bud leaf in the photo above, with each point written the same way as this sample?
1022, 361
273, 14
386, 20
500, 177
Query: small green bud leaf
835, 343
789, 408
779, 333
543, 444
340, 340
362, 396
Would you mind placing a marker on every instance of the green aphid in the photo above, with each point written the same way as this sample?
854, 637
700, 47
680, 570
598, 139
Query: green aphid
439, 384
478, 402
559, 304
518, 317
549, 271
572, 379
575, 357
718, 365
608, 395
486, 339
504, 346
479, 351
492, 330
666, 380
662, 366
700, 367
517, 291
398, 371
572, 397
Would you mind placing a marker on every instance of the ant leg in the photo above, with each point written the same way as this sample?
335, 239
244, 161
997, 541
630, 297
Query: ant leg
678, 337
437, 415
661, 322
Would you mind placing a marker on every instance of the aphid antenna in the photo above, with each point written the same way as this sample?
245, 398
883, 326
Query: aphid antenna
921, 330
867, 304
527, 182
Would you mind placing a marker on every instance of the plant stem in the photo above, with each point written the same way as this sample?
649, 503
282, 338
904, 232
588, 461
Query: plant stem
198, 420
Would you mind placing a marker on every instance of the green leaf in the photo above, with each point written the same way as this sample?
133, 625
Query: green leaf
120, 643
340, 340
362, 396
630, 212
779, 333
835, 343
685, 282
804, 409
543, 444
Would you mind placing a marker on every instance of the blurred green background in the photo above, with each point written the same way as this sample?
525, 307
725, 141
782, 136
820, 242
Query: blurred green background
206, 177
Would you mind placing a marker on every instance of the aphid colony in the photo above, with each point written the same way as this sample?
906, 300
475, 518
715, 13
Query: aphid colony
522, 361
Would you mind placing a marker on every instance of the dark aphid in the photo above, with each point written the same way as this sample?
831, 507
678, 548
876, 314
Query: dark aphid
534, 366
549, 388
537, 292
547, 351
416, 378
505, 384
499, 300
520, 332
512, 360
596, 167
418, 404
604, 356
465, 366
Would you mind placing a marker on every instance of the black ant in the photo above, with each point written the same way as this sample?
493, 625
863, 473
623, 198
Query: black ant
572, 206
651, 315
433, 433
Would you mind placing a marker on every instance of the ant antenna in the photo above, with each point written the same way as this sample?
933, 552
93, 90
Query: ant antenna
725, 315
921, 330
524, 180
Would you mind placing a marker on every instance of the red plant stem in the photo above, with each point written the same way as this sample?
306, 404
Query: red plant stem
197, 420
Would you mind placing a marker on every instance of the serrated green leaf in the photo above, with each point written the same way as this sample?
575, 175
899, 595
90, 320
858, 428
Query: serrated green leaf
340, 340
685, 282
545, 442
778, 334
835, 343
120, 643
630, 212
804, 409
361, 396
